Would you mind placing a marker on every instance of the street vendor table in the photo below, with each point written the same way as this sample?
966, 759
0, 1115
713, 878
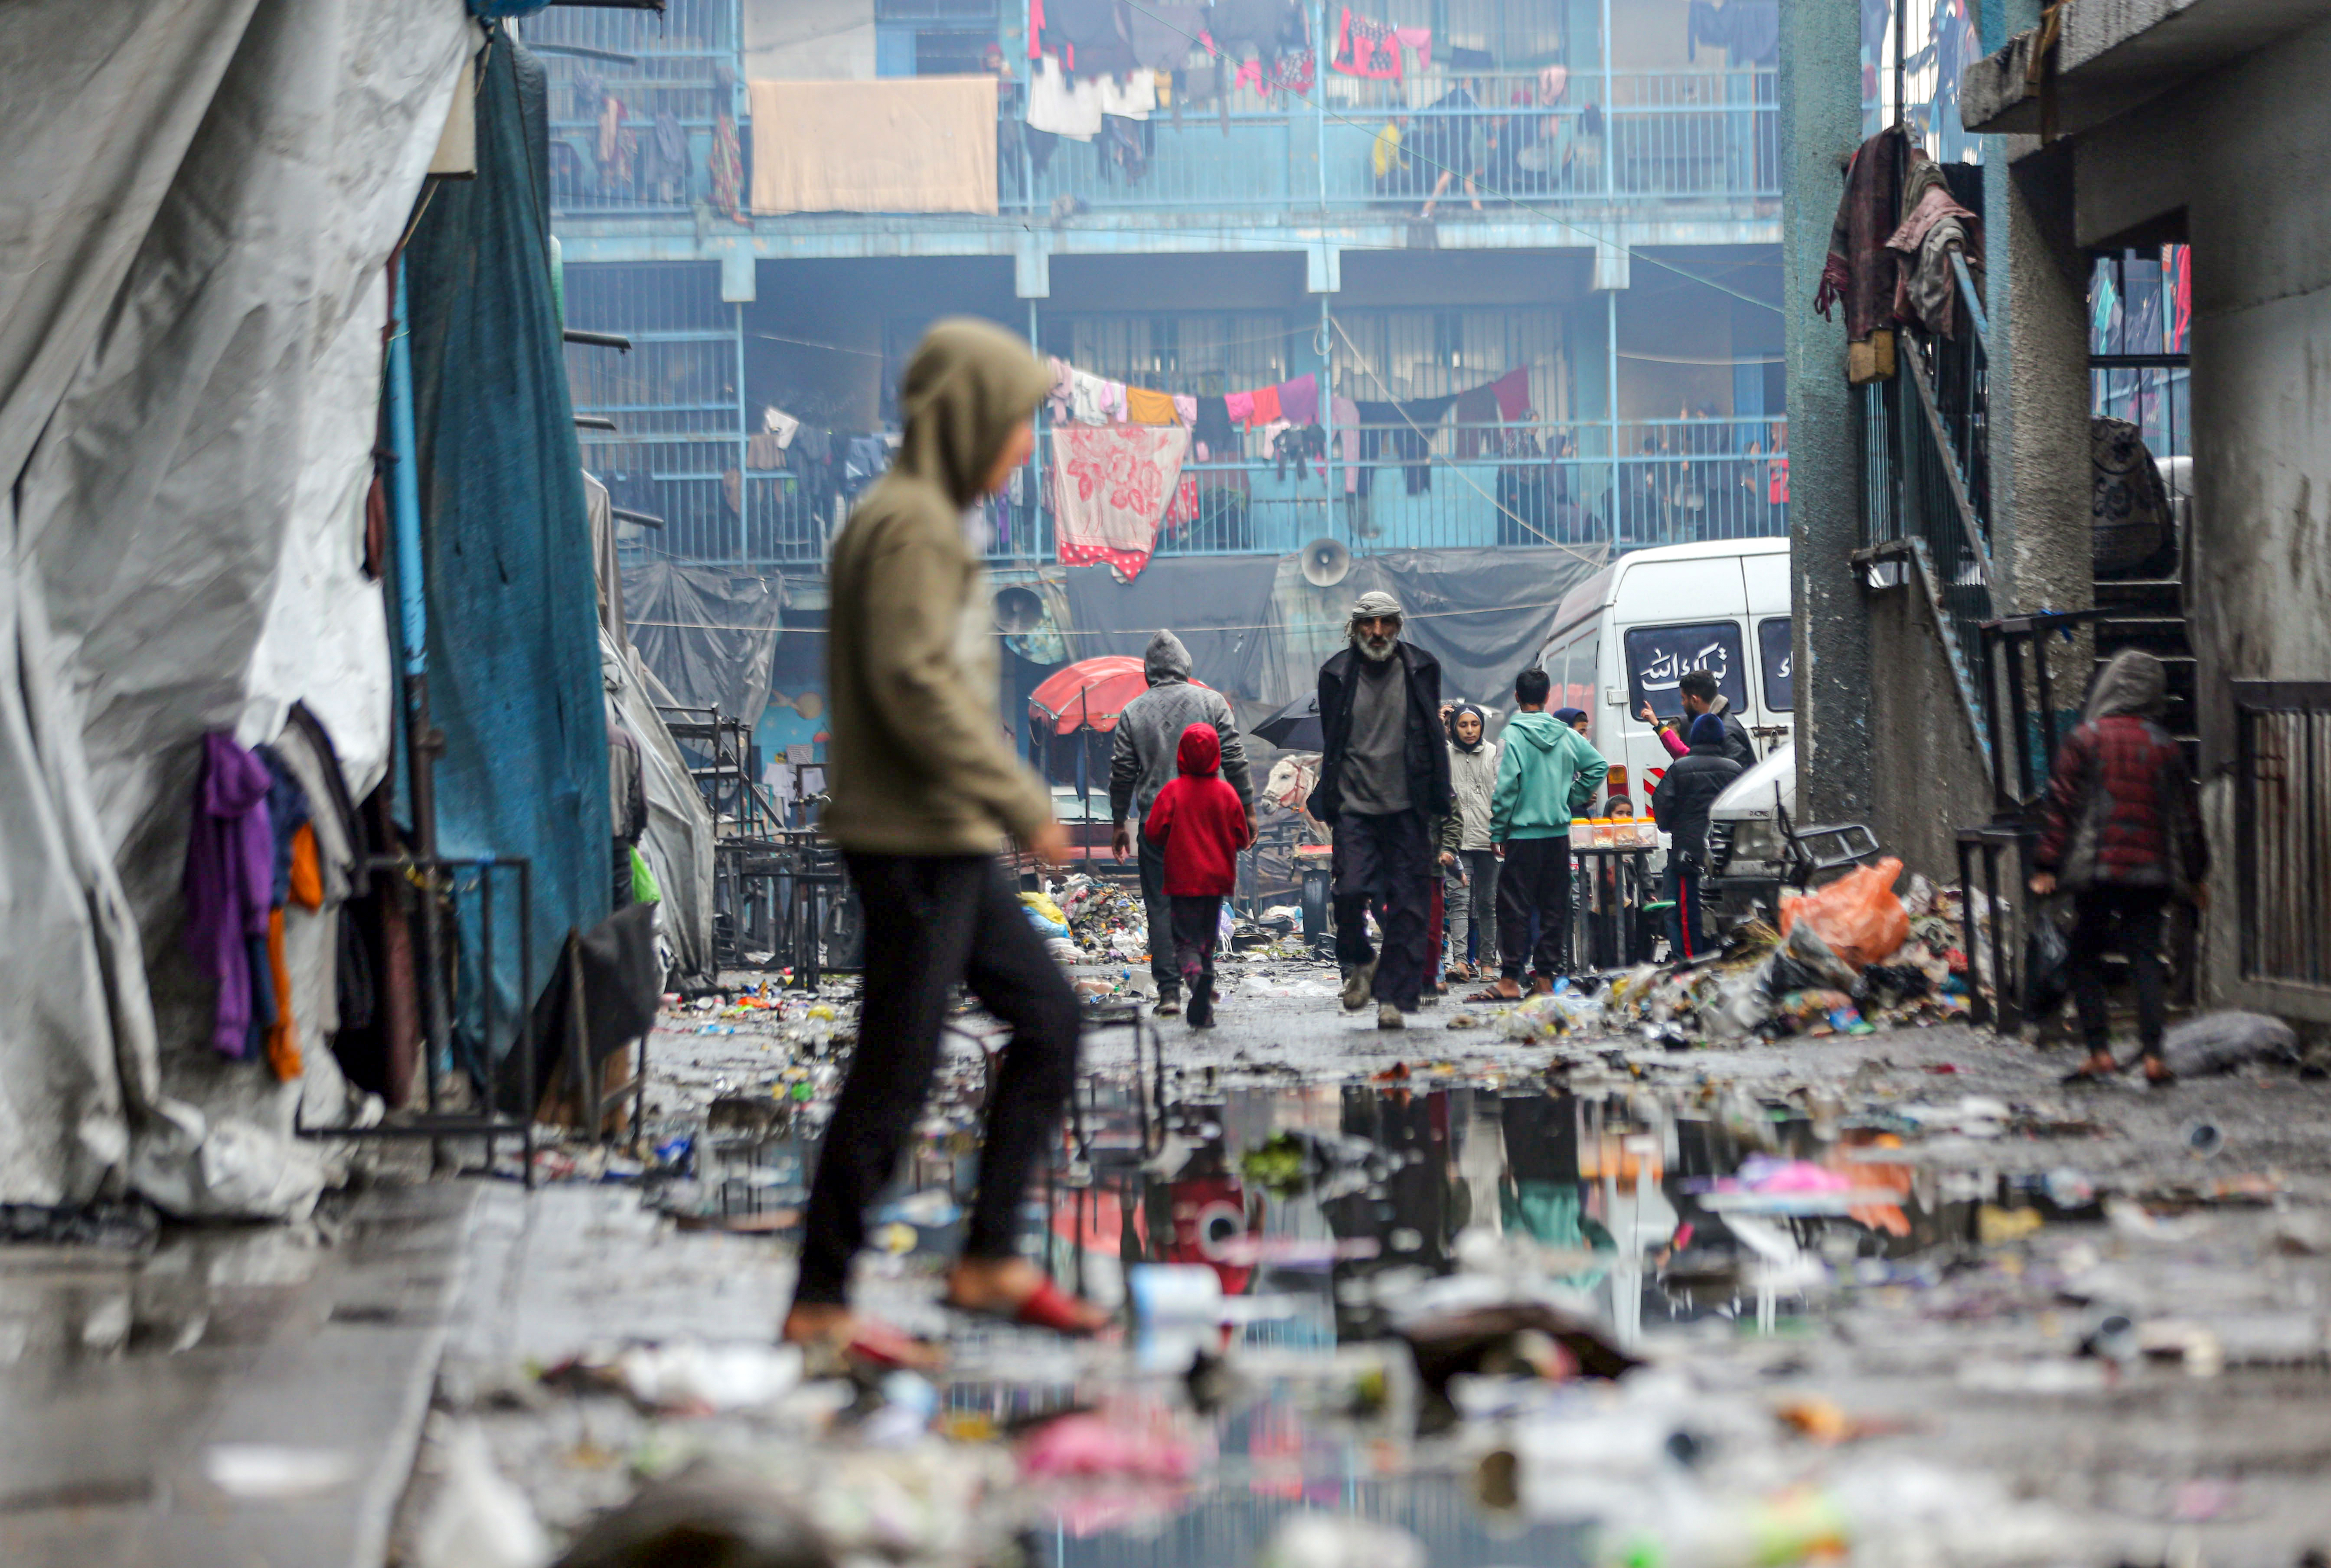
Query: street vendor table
1609, 887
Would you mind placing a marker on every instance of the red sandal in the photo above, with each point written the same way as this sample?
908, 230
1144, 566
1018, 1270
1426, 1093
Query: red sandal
1045, 1308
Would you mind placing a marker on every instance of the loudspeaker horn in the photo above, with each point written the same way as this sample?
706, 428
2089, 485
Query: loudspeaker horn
1325, 563
1018, 610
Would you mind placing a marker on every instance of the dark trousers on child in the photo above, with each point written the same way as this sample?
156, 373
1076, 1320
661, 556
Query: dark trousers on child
2128, 920
1687, 936
1534, 879
932, 921
1197, 924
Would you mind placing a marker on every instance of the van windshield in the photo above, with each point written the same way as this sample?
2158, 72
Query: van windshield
1660, 657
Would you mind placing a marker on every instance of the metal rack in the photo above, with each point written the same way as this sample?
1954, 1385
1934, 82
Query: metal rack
441, 876
724, 743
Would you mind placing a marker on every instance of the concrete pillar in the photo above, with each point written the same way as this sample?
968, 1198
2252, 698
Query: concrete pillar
2038, 302
1820, 125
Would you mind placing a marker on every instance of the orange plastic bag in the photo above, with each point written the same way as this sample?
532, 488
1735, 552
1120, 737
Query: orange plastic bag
1858, 915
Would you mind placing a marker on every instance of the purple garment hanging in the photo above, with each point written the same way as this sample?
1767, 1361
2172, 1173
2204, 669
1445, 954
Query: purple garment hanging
229, 879
1299, 400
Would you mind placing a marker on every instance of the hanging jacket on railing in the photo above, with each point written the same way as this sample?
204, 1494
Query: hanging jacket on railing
1300, 444
1860, 270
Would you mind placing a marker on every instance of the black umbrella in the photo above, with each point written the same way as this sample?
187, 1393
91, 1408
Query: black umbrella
1296, 727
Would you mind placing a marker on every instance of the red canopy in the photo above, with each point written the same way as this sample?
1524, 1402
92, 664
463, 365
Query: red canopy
1088, 694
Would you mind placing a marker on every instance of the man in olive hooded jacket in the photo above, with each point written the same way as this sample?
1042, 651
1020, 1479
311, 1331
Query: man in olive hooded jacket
924, 791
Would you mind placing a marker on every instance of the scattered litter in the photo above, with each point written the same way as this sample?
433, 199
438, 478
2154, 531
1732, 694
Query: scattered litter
273, 1472
1312, 1539
477, 1519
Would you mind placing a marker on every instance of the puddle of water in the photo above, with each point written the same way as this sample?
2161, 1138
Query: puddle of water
1324, 1211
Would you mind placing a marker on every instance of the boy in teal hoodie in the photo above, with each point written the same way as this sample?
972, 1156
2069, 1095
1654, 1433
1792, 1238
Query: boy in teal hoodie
1547, 773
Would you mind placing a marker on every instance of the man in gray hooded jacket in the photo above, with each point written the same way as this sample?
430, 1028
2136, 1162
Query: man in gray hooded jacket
1140, 763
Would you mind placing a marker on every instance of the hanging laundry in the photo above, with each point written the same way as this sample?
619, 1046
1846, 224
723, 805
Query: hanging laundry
229, 884
1299, 400
618, 147
726, 160
1859, 272
1061, 107
1293, 71
1239, 407
1143, 406
1212, 429
1926, 285
1513, 395
663, 161
1131, 96
1263, 407
1087, 398
1163, 34
1419, 39
1112, 402
1110, 490
1476, 407
1186, 409
1367, 48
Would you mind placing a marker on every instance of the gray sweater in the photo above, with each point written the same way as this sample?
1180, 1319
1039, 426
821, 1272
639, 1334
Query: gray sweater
1141, 760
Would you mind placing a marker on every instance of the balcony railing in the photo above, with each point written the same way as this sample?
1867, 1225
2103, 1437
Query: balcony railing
1642, 137
1674, 481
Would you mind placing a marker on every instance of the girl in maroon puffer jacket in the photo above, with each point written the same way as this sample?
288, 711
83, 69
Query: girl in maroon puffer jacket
2123, 835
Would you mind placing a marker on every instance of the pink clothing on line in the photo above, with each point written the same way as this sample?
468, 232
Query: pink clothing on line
1240, 405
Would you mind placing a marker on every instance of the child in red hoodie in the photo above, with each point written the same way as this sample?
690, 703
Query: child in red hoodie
1201, 827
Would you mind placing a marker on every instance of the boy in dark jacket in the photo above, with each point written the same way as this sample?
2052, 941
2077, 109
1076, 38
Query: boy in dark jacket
2123, 835
1680, 805
1201, 825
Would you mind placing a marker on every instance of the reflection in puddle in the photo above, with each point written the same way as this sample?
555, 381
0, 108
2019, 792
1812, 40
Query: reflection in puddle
1271, 1247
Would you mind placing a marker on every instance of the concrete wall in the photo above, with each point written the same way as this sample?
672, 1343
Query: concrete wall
1820, 125
1929, 776
2241, 160
809, 40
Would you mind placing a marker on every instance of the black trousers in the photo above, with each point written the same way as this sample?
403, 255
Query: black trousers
1687, 933
1156, 908
1197, 926
1534, 880
933, 920
1385, 863
2129, 920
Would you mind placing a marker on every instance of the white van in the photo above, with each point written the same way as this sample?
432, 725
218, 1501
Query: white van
1631, 631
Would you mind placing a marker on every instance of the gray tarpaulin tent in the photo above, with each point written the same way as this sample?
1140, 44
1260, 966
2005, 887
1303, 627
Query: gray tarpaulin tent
678, 843
201, 196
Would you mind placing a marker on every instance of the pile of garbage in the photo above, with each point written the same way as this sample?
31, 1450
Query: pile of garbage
1086, 921
1850, 958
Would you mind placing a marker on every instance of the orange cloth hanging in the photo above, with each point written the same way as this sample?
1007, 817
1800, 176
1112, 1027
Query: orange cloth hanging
308, 892
1143, 406
1266, 406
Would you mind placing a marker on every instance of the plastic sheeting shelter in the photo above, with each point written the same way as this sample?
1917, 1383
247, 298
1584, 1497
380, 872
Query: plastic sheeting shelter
513, 633
201, 197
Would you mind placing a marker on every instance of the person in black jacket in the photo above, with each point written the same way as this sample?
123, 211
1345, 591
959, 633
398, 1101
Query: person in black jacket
1680, 805
1383, 784
1702, 694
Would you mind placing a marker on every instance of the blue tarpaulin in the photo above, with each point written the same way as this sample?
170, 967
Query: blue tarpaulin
513, 628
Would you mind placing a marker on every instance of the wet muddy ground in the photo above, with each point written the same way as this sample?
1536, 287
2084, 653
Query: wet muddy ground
1899, 1294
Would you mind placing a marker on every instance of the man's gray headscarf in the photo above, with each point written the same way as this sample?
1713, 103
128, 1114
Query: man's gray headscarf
1369, 606
2134, 682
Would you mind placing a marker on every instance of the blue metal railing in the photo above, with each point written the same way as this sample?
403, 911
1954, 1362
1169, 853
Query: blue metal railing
634, 103
1674, 481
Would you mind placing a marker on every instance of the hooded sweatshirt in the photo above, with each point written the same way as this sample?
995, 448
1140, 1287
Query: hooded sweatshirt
920, 765
1141, 756
1199, 821
1546, 771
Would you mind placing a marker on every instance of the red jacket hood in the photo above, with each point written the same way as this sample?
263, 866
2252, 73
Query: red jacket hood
1200, 754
